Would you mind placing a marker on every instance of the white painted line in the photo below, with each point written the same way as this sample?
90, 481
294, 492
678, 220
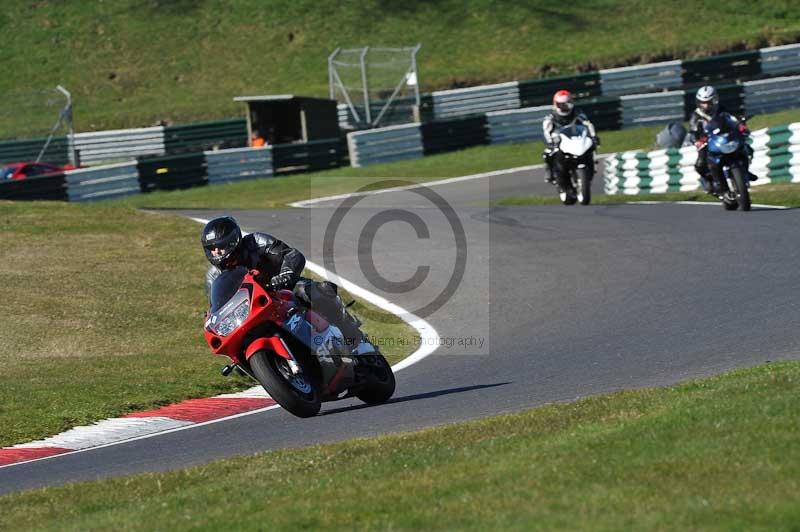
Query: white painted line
428, 335
706, 203
309, 202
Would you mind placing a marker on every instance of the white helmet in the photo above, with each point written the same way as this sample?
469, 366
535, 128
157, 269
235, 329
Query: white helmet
707, 100
563, 103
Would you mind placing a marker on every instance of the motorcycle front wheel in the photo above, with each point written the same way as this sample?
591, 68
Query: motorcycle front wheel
294, 392
740, 180
584, 186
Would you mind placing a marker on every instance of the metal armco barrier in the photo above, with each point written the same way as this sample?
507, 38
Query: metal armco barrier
449, 135
776, 159
651, 109
121, 144
393, 143
103, 182
27, 150
224, 166
172, 172
770, 95
780, 60
518, 125
540, 91
643, 78
605, 112
459, 102
736, 67
309, 156
201, 136
51, 187
721, 68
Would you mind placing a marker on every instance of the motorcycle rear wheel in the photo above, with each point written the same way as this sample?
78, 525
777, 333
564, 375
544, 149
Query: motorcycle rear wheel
380, 382
742, 192
295, 393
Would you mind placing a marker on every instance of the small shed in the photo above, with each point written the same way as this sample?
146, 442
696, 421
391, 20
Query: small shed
285, 118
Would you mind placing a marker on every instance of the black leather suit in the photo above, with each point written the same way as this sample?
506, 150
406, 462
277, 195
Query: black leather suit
271, 257
697, 131
268, 255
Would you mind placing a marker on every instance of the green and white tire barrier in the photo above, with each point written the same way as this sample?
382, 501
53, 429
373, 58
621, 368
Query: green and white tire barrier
776, 159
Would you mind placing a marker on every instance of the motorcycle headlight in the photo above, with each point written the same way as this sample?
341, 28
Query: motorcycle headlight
233, 314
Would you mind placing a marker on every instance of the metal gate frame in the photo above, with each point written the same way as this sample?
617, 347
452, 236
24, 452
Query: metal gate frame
64, 117
335, 81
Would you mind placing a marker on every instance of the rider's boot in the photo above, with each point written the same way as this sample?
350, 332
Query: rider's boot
751, 176
349, 325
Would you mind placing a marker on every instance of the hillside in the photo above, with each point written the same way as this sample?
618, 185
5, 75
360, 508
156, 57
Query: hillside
131, 63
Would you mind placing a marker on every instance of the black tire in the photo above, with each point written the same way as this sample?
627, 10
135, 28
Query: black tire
568, 197
380, 383
267, 367
584, 186
740, 179
730, 205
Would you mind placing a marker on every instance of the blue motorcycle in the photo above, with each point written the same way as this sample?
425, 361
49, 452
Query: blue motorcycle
727, 148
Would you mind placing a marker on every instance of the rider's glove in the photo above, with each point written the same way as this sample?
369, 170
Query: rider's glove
282, 280
743, 129
699, 143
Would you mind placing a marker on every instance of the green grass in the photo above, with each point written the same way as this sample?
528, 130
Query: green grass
130, 63
105, 314
713, 454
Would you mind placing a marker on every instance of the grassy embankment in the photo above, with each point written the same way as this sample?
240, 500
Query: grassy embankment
104, 316
131, 63
713, 454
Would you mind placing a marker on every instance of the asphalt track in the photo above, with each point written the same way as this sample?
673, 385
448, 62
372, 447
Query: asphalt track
569, 302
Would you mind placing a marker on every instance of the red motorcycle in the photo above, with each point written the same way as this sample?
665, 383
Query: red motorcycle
299, 358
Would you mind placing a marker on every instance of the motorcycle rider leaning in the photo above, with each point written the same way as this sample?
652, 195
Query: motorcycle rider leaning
564, 113
707, 110
279, 267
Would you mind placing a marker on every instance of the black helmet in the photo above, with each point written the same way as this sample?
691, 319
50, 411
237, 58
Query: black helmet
224, 235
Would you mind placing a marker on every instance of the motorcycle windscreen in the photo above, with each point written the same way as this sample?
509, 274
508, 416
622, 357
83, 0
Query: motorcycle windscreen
723, 144
225, 287
574, 130
575, 140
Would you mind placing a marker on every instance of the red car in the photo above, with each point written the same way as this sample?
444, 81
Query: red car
29, 169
